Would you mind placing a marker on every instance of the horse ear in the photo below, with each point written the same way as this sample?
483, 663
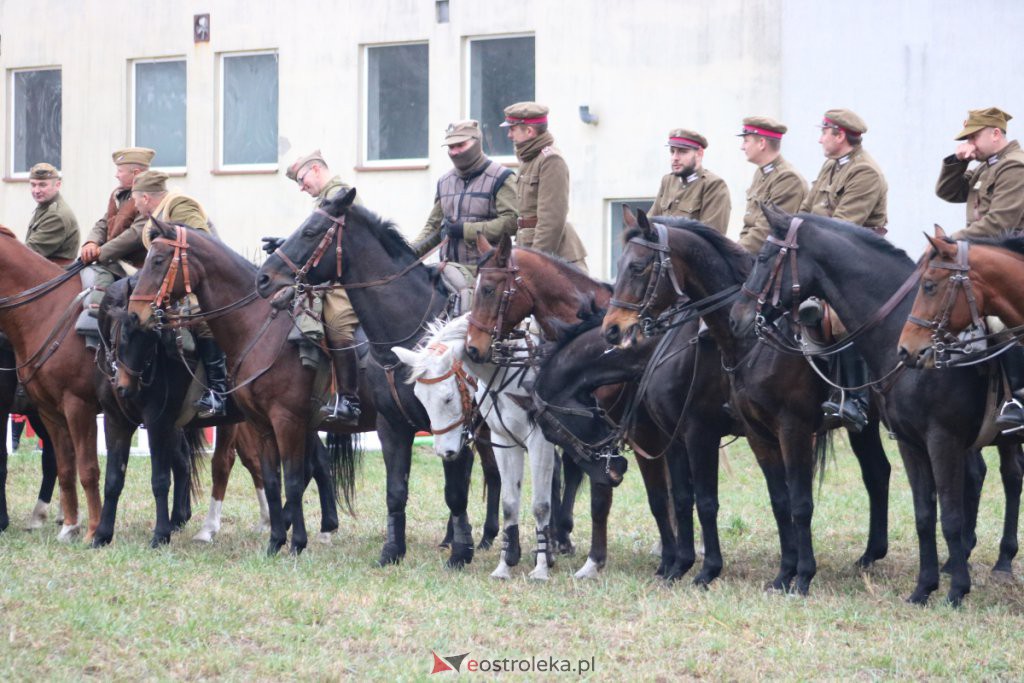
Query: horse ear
165, 229
504, 252
483, 245
341, 202
645, 226
940, 246
628, 218
405, 355
940, 234
777, 218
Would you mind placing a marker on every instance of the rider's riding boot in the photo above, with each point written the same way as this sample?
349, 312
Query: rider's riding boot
212, 403
1011, 415
344, 409
850, 407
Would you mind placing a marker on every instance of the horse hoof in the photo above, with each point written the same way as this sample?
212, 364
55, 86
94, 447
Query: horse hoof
501, 572
539, 574
1003, 576
204, 536
296, 550
589, 570
565, 547
325, 538
159, 540
274, 547
390, 554
485, 543
69, 532
101, 540
461, 555
38, 517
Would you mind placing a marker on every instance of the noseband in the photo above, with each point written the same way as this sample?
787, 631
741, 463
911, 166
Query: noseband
178, 261
662, 265
959, 279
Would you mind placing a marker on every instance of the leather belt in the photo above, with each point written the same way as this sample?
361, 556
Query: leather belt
526, 222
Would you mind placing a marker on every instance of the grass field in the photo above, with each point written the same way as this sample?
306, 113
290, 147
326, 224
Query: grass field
189, 611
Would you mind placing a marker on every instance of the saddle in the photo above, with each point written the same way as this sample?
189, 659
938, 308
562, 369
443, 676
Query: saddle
459, 280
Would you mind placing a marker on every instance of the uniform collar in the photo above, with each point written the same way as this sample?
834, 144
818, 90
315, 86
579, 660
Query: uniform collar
692, 178
768, 168
998, 156
848, 157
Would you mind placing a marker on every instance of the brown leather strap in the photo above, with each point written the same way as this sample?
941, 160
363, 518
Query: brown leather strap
389, 372
527, 222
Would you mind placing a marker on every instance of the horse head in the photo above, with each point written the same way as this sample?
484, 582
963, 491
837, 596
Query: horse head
941, 308
135, 349
312, 254
498, 304
641, 289
168, 273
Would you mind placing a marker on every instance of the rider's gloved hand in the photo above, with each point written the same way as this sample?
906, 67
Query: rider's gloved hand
271, 244
453, 229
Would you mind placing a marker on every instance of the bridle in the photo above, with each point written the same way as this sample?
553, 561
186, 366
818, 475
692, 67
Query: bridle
943, 340
504, 350
332, 233
773, 285
606, 448
466, 385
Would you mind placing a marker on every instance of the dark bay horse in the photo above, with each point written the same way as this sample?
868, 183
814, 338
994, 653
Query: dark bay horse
937, 417
514, 283
271, 386
776, 395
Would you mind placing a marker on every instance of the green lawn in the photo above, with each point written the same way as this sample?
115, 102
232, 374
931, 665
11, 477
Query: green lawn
226, 611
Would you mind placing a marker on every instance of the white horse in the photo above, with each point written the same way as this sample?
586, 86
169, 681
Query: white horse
446, 383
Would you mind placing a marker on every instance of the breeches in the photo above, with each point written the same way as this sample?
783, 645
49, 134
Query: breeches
340, 321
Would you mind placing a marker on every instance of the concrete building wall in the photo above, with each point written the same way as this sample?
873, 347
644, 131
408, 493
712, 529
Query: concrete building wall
911, 69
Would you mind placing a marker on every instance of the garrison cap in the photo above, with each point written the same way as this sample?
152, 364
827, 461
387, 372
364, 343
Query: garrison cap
150, 181
461, 131
43, 171
686, 139
983, 118
134, 155
295, 169
764, 126
528, 113
844, 119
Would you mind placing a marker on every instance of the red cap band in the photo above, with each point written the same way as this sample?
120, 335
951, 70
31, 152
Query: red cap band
827, 122
515, 121
761, 131
686, 141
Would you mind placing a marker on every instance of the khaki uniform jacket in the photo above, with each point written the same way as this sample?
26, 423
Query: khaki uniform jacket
993, 191
851, 188
182, 209
702, 196
122, 246
333, 187
778, 183
504, 223
542, 192
53, 231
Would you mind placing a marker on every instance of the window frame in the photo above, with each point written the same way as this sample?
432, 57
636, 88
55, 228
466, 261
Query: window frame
265, 167
644, 203
407, 163
175, 170
12, 124
467, 99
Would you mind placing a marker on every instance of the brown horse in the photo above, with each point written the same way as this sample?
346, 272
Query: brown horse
38, 305
271, 386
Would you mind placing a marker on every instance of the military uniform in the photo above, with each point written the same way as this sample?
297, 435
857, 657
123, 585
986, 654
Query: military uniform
851, 188
53, 231
119, 233
700, 196
993, 190
542, 190
477, 197
776, 182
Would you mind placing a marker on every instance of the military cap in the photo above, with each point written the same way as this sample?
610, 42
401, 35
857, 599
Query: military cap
150, 181
686, 139
764, 126
983, 118
134, 155
844, 119
295, 169
43, 171
462, 131
529, 113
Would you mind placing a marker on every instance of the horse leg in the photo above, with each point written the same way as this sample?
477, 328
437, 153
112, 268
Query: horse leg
875, 472
656, 483
165, 444
221, 463
320, 468
270, 458
295, 486
82, 427
457, 475
248, 450
5, 520
48, 460
950, 484
492, 487
65, 449
571, 480
1010, 456
181, 472
798, 452
510, 467
682, 491
118, 435
922, 487
542, 466
702, 448
600, 506
396, 445
974, 480
769, 459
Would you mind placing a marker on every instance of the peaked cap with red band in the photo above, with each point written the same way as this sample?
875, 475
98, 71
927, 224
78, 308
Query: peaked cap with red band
526, 113
763, 126
683, 138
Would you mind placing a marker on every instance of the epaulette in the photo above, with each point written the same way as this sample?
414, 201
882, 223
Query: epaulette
549, 150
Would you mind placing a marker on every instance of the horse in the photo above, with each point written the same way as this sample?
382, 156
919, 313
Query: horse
937, 417
445, 382
513, 283
272, 387
777, 396
387, 286
962, 282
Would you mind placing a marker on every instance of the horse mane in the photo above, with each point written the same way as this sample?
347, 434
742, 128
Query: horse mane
386, 232
448, 332
1011, 242
738, 259
780, 227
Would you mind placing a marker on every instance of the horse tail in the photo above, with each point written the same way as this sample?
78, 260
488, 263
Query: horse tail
195, 445
346, 458
823, 450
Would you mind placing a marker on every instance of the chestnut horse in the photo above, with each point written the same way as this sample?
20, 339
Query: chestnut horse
271, 386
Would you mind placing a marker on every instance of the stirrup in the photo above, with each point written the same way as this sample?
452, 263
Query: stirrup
210, 405
341, 410
1006, 412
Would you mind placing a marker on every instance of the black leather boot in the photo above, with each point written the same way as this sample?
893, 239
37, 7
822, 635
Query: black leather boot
1011, 415
849, 408
344, 409
212, 402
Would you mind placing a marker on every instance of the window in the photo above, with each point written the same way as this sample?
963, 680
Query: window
158, 115
616, 224
395, 128
248, 110
35, 119
501, 72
